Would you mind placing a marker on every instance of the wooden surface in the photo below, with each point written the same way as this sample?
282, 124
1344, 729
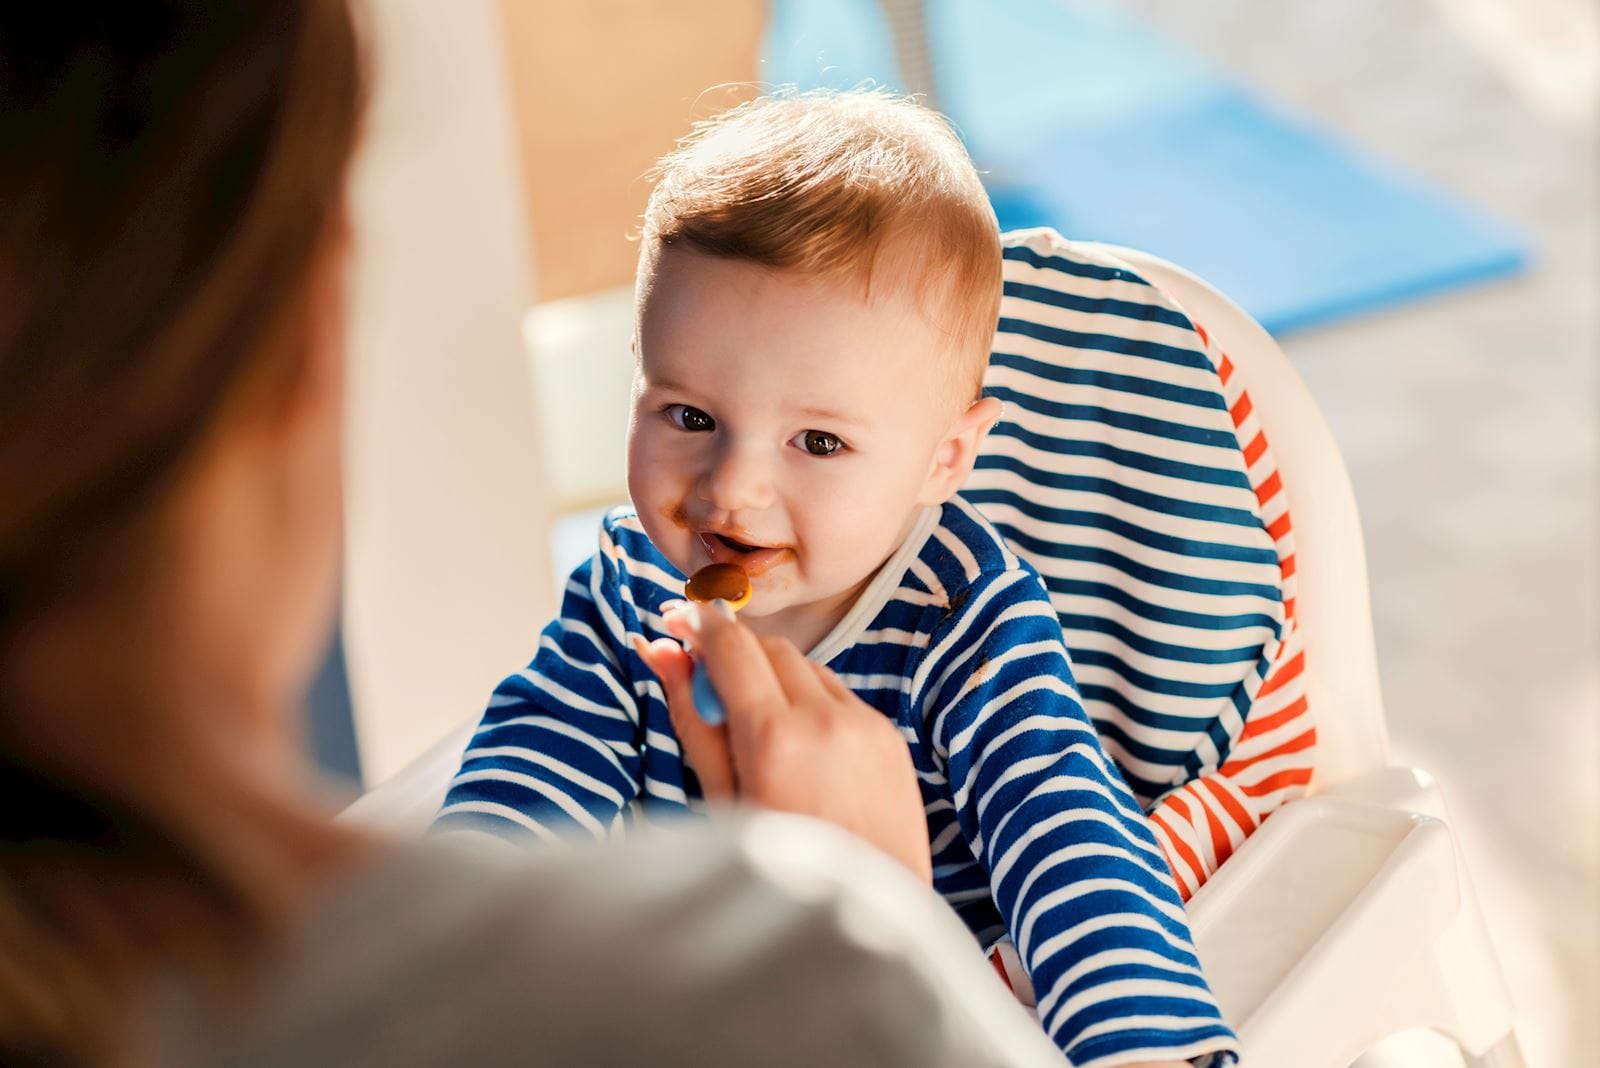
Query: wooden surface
602, 89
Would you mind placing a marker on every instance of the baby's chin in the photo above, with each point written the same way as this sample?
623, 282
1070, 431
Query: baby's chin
784, 597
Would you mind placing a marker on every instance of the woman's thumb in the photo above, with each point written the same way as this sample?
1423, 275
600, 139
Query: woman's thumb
670, 663
705, 747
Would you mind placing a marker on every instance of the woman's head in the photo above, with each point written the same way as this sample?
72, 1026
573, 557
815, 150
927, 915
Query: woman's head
171, 229
173, 186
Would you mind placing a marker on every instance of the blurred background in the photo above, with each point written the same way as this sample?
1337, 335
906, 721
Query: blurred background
1404, 191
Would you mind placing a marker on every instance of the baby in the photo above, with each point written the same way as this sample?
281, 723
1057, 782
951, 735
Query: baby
818, 289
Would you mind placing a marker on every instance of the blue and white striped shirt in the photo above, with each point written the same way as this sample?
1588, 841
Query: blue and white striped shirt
1033, 832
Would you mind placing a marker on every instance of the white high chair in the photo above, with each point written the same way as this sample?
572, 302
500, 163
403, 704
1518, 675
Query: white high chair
1348, 915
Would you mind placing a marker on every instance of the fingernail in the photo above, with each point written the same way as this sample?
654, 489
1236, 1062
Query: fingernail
684, 621
724, 607
674, 610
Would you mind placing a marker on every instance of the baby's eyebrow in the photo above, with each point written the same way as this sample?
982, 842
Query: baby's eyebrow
829, 416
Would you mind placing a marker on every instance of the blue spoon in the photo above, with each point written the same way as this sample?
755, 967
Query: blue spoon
706, 701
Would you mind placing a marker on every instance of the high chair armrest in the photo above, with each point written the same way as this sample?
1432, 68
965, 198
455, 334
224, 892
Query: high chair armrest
405, 803
1316, 916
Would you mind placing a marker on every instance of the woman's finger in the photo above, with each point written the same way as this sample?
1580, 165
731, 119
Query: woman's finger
796, 674
830, 680
705, 748
739, 667
838, 760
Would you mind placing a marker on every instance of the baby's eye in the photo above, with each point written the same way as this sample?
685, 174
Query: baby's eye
818, 442
691, 419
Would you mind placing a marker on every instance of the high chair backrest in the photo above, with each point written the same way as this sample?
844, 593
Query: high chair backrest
1333, 607
1131, 469
1117, 472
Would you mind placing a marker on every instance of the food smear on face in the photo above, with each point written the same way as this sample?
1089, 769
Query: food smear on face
674, 514
719, 582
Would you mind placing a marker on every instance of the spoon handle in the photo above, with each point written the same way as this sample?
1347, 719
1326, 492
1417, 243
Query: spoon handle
706, 701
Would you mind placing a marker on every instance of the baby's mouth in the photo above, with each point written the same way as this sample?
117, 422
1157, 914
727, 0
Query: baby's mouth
754, 559
736, 545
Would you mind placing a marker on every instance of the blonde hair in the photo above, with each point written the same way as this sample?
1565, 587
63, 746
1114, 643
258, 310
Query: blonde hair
824, 183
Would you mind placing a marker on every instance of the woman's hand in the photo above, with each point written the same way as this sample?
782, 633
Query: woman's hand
796, 739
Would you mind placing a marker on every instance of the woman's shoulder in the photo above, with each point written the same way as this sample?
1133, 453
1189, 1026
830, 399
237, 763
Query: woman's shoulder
696, 945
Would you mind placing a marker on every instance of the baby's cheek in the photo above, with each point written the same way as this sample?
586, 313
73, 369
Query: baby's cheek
648, 474
847, 532
658, 499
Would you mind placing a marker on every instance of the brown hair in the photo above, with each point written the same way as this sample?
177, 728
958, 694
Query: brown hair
173, 171
824, 182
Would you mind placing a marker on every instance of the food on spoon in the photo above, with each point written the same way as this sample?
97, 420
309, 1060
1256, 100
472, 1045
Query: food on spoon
719, 582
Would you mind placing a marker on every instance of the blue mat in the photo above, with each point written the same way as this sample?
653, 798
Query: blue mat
1084, 121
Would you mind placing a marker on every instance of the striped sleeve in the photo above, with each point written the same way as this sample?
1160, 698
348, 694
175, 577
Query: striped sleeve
1072, 863
559, 750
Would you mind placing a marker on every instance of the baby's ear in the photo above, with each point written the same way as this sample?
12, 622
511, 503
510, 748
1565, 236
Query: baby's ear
958, 451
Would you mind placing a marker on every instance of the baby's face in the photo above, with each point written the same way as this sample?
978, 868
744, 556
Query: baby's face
783, 423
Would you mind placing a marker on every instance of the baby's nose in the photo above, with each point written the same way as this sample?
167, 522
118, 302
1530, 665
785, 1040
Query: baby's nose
739, 480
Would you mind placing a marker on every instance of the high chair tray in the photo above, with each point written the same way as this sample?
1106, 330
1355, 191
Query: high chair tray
1325, 908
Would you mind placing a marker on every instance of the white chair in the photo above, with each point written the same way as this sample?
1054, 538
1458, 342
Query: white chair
1348, 916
